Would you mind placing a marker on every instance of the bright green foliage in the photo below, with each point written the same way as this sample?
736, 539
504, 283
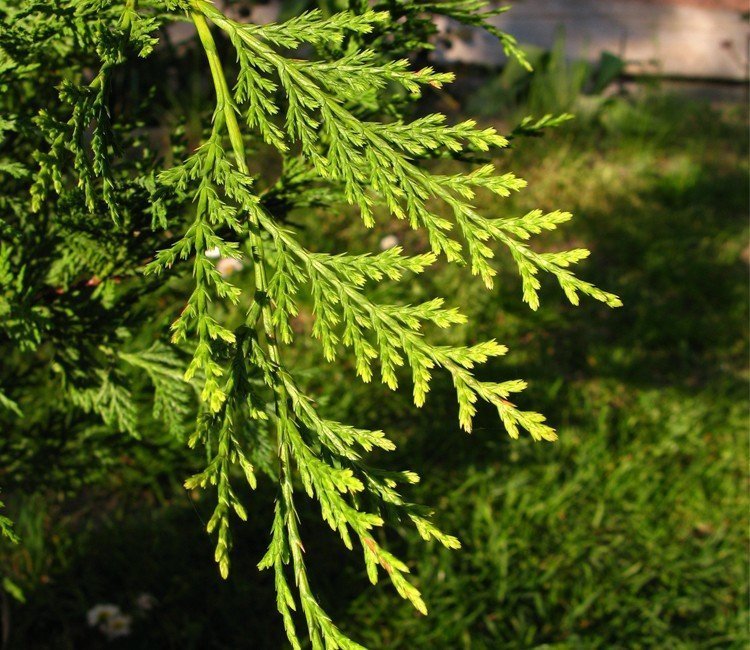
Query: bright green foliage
127, 227
6, 527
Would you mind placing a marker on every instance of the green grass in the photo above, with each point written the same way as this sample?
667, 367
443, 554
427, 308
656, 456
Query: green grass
629, 532
632, 530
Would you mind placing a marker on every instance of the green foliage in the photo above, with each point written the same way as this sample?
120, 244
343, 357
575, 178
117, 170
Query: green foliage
629, 532
112, 237
6, 527
632, 530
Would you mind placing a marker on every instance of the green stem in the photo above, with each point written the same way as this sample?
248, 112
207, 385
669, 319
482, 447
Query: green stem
225, 106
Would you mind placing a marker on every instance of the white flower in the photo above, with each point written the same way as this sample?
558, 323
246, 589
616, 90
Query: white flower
389, 241
212, 253
145, 602
102, 613
228, 265
116, 626
110, 620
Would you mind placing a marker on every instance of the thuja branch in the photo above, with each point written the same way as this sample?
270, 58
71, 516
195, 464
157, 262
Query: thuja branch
322, 115
321, 479
374, 166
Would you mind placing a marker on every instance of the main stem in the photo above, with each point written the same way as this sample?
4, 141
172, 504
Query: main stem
225, 106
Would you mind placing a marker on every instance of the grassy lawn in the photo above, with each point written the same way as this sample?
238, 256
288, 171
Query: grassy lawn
629, 532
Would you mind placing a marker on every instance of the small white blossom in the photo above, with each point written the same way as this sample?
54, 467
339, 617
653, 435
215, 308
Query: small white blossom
212, 253
145, 602
99, 614
116, 626
389, 241
228, 265
109, 620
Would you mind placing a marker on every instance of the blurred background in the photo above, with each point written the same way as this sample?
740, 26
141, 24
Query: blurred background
632, 530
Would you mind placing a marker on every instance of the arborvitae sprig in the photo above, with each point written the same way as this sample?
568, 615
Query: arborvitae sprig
374, 164
6, 528
476, 13
318, 113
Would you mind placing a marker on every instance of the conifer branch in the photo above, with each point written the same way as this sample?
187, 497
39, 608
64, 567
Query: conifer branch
376, 165
337, 151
